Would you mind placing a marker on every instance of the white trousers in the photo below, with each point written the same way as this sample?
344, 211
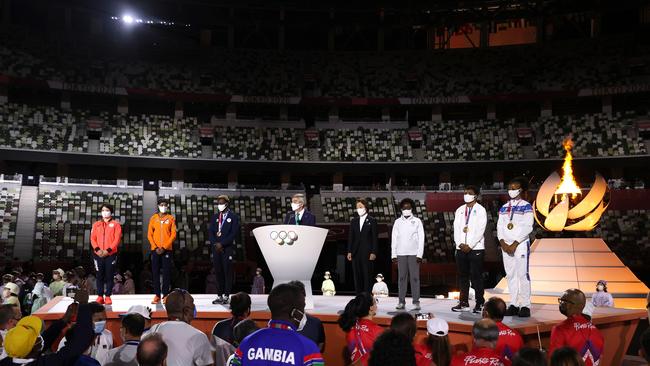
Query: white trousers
516, 267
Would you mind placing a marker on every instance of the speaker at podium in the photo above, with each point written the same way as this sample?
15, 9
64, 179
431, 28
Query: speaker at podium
291, 252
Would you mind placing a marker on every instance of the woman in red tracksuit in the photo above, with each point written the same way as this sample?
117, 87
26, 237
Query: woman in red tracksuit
361, 331
105, 239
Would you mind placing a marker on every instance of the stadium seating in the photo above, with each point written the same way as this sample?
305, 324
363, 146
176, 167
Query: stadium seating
9, 197
64, 220
246, 143
41, 128
364, 144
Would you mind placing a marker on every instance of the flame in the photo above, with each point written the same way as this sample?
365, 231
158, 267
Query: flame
568, 184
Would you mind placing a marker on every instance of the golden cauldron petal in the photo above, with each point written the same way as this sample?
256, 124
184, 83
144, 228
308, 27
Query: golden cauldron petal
556, 219
536, 214
590, 221
546, 192
591, 200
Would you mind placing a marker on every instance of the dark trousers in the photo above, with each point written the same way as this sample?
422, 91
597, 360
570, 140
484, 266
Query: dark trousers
362, 268
105, 272
222, 263
161, 261
470, 266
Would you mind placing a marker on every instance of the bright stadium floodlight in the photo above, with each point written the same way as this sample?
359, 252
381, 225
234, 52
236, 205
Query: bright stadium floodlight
127, 19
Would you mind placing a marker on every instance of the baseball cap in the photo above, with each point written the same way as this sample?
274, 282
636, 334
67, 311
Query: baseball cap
19, 340
145, 311
437, 327
13, 288
59, 271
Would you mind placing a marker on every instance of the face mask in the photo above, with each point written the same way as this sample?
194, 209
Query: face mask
361, 211
162, 209
258, 273
326, 277
295, 206
302, 321
99, 326
406, 213
106, 214
221, 207
469, 198
513, 192
378, 279
600, 287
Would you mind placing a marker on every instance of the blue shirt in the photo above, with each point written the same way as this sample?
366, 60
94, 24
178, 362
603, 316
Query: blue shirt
279, 344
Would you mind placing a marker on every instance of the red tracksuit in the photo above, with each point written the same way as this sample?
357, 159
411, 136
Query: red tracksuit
510, 341
480, 356
578, 333
361, 338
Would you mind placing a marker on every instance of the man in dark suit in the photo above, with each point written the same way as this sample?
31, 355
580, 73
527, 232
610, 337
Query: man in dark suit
222, 233
362, 247
299, 215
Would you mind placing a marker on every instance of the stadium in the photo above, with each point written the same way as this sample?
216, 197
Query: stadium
354, 113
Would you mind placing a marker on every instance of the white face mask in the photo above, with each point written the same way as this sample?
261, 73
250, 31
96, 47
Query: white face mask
295, 206
513, 192
379, 279
468, 198
361, 211
326, 277
406, 213
600, 287
302, 322
106, 214
162, 209
221, 207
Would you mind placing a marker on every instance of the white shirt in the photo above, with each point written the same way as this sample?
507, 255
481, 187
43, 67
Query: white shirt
476, 219
186, 344
123, 355
522, 221
407, 237
98, 350
362, 219
299, 215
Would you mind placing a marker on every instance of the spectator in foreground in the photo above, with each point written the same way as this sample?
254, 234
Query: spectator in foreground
361, 331
103, 339
240, 308
392, 348
313, 329
130, 332
280, 343
566, 356
152, 351
485, 333
576, 331
436, 348
510, 341
187, 345
529, 357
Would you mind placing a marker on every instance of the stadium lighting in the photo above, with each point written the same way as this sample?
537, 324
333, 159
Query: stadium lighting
127, 19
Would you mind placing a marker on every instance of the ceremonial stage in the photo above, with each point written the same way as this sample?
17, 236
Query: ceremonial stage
617, 325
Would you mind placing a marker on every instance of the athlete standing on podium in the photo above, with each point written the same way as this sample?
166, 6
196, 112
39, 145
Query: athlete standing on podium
161, 235
222, 232
513, 230
105, 238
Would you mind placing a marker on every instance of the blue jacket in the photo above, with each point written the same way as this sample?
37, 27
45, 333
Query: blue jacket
229, 229
307, 219
279, 344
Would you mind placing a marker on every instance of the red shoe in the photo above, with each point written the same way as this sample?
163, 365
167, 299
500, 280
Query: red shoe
156, 300
108, 301
100, 299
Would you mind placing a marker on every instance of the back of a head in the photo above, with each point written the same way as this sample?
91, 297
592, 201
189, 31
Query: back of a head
566, 356
392, 348
6, 314
440, 349
485, 330
299, 285
529, 357
404, 323
175, 303
96, 307
356, 309
152, 351
240, 304
133, 324
495, 308
282, 300
243, 329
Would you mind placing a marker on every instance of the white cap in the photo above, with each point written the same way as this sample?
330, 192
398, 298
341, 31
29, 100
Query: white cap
145, 311
379, 275
59, 271
437, 327
13, 288
589, 309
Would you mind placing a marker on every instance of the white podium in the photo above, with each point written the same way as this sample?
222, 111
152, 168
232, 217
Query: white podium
291, 252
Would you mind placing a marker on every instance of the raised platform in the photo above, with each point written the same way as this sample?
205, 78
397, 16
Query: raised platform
618, 325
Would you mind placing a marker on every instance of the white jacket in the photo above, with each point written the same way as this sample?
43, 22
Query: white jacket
522, 221
407, 237
474, 237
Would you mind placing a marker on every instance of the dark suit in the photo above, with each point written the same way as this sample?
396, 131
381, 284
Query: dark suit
361, 243
222, 262
307, 219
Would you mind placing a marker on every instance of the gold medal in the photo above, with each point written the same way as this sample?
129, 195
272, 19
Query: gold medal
219, 233
510, 226
465, 229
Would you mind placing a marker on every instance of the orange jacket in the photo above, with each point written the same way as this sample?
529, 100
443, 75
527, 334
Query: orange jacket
162, 231
106, 236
